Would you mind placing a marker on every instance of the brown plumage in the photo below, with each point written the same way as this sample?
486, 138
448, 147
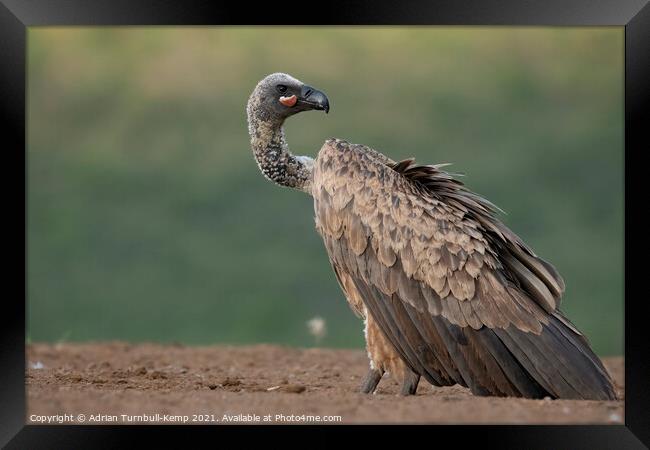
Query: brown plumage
447, 291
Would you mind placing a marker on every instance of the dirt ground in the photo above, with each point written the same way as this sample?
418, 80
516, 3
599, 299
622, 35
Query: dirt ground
124, 383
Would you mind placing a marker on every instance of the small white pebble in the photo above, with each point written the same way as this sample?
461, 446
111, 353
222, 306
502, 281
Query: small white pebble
273, 388
36, 365
613, 417
317, 328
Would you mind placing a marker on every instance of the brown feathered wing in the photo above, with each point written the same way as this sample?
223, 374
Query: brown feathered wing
459, 295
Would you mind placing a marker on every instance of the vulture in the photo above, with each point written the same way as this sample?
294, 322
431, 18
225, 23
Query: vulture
446, 291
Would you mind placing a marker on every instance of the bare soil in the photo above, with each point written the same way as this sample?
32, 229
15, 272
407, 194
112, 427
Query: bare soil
151, 383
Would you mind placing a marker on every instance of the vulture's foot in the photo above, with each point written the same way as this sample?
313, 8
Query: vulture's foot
410, 383
371, 381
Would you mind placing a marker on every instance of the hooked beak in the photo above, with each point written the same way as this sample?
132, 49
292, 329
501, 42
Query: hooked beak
314, 99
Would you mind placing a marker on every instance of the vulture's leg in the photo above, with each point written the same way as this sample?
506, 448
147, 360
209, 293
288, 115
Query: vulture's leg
410, 383
371, 381
384, 358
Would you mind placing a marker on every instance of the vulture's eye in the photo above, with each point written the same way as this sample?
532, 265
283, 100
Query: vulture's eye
282, 88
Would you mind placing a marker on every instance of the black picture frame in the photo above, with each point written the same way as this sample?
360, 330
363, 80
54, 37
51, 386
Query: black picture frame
17, 15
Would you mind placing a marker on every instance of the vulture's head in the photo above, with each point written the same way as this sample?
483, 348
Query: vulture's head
279, 96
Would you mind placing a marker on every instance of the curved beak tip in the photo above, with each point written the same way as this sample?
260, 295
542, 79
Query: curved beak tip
315, 99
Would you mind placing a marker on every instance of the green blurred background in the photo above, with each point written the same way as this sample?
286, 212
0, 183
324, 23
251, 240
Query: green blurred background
149, 221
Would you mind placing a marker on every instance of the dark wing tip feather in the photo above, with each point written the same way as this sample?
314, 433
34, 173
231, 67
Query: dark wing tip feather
560, 361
